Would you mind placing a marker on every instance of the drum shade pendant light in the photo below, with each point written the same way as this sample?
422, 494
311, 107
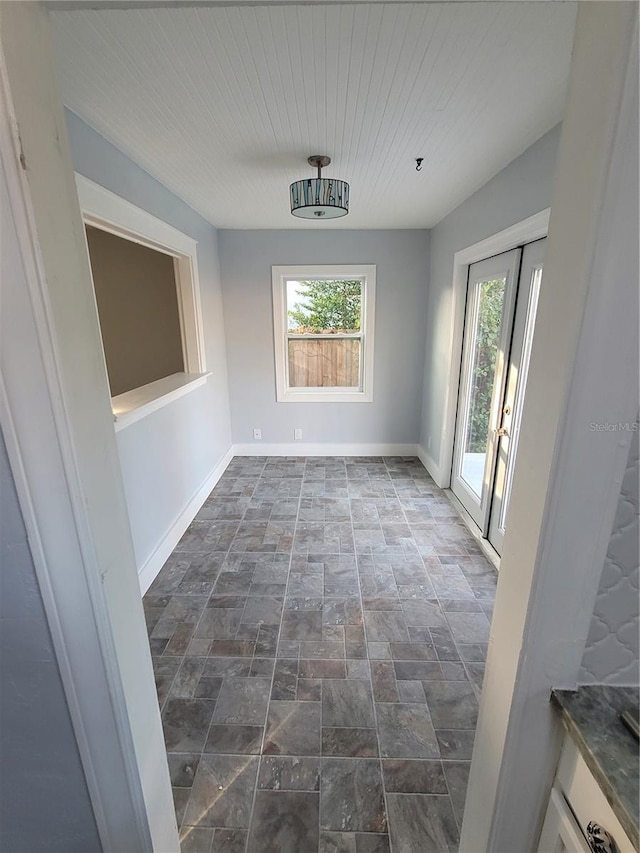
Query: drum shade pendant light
319, 198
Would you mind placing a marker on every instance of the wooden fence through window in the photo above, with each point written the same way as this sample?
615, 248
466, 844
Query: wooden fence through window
324, 362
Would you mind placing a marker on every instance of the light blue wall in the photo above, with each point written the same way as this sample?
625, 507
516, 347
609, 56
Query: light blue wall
401, 258
518, 191
167, 456
44, 802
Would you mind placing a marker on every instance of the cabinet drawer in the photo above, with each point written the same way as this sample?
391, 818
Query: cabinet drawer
585, 797
561, 833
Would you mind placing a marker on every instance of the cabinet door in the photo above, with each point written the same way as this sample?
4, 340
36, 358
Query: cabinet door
560, 832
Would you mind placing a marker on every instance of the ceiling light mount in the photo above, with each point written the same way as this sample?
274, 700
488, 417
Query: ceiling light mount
316, 198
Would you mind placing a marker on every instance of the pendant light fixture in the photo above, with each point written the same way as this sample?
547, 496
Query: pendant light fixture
319, 198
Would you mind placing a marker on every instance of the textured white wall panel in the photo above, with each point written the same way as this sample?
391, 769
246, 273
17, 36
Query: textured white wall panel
611, 653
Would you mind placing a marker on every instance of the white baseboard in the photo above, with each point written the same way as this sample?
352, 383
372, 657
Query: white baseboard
149, 570
299, 448
431, 466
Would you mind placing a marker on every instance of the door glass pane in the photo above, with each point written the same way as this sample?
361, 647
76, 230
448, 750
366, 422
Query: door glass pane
521, 386
489, 304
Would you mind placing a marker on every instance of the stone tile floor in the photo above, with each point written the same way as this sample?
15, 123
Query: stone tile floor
318, 638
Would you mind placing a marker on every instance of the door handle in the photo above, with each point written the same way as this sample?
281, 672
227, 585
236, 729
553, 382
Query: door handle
502, 431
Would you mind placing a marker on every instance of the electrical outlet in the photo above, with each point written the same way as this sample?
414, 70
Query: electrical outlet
257, 434
297, 435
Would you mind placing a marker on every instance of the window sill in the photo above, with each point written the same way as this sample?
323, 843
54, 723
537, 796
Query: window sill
140, 402
314, 396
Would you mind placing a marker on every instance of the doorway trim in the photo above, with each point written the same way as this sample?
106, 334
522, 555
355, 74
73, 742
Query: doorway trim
526, 231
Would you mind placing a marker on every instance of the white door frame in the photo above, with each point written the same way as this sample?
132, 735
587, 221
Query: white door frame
498, 267
533, 228
55, 414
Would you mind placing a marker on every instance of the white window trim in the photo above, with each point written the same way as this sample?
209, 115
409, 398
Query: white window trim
104, 210
279, 276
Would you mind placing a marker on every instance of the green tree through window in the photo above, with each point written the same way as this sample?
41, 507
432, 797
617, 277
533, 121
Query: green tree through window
327, 305
488, 336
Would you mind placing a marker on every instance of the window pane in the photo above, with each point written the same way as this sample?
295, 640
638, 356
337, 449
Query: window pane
316, 307
486, 335
324, 362
321, 311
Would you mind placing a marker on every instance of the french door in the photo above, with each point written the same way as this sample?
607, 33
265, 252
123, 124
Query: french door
502, 298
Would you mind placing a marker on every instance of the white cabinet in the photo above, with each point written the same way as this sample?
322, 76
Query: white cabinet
576, 800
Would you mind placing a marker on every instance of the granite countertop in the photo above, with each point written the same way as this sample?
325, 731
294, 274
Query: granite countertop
591, 715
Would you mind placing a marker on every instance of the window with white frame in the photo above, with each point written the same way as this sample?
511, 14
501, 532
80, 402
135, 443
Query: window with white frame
323, 326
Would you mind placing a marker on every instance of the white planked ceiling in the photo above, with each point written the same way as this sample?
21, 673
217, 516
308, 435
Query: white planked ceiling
224, 104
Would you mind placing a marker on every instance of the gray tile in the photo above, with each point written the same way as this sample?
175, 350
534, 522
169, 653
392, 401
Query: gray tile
372, 843
412, 651
337, 842
421, 823
196, 839
323, 669
262, 667
413, 777
360, 669
350, 743
325, 649
383, 679
233, 648
352, 795
457, 774
473, 651
293, 728
385, 626
180, 800
444, 644
335, 632
186, 681
464, 605
452, 704
285, 679
379, 651
185, 723
456, 743
469, 627
309, 690
301, 625
284, 773
263, 609
229, 841
222, 792
423, 614
405, 730
243, 701
164, 670
410, 691
216, 667
417, 670
476, 675
284, 822
243, 740
208, 688
182, 768
347, 703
